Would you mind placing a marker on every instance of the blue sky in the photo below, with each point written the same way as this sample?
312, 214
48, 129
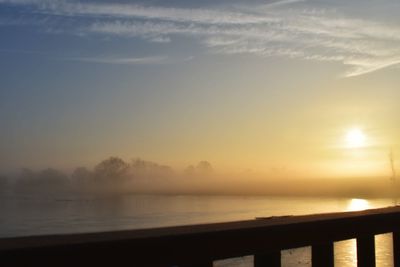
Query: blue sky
174, 80
334, 31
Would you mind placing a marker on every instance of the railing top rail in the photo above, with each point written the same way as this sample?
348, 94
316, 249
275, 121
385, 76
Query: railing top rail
261, 223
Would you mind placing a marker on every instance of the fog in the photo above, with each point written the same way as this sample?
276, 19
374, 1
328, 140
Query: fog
115, 176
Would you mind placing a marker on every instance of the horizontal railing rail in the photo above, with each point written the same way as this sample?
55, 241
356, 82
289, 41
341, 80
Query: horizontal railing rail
200, 245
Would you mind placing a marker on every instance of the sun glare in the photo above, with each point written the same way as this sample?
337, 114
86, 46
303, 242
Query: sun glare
356, 204
355, 138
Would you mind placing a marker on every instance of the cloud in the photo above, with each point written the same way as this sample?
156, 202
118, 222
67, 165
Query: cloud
287, 28
19, 2
122, 61
160, 39
283, 2
364, 66
120, 10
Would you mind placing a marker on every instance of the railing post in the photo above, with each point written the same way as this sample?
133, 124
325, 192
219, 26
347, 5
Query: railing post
269, 259
366, 251
396, 249
322, 255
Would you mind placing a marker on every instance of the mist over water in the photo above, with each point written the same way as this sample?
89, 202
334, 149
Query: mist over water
41, 214
117, 176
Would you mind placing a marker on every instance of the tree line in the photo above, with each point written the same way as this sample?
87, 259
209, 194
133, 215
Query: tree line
111, 174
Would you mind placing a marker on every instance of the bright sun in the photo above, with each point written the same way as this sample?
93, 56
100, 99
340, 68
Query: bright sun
355, 138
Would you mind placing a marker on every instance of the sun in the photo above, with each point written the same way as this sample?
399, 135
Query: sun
355, 138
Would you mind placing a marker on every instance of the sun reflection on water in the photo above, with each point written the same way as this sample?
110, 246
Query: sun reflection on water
346, 253
356, 204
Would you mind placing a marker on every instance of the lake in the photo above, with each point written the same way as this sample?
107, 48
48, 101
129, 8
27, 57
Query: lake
24, 215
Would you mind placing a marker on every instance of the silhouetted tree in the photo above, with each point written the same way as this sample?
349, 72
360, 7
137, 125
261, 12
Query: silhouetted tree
139, 164
204, 167
111, 169
142, 168
81, 176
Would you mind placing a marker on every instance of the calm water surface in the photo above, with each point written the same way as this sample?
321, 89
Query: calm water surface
37, 215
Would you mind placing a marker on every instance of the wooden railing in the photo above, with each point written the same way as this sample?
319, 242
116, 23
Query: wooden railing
200, 245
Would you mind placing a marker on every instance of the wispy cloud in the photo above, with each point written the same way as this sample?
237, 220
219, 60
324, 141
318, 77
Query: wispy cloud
287, 28
363, 66
122, 60
283, 2
17, 2
119, 10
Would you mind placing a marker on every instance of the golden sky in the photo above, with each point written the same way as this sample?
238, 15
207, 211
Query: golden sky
272, 87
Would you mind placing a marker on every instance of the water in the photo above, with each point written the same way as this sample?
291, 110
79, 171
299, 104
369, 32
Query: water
36, 215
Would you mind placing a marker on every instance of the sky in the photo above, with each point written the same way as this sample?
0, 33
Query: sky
266, 86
